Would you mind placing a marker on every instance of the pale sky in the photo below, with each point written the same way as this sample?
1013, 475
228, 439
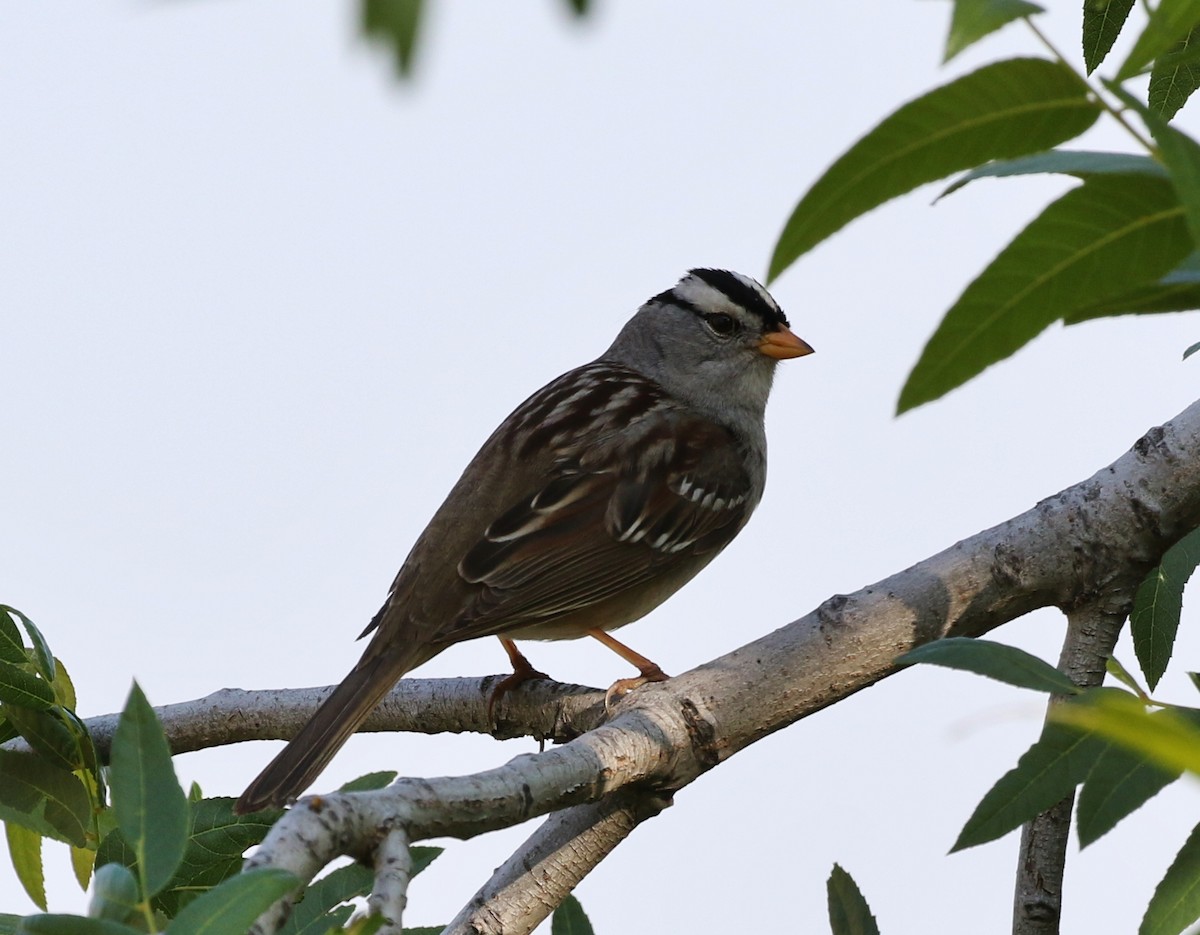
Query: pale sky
260, 305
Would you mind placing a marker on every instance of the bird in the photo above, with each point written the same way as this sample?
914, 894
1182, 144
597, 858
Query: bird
600, 496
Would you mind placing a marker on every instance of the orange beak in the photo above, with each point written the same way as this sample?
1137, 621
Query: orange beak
782, 345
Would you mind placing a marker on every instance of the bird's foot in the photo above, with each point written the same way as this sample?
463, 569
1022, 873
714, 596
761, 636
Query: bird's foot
622, 687
523, 671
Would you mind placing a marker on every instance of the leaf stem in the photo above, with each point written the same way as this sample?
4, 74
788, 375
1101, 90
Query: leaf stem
1118, 114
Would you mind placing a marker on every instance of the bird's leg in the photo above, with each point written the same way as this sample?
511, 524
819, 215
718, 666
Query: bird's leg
650, 672
523, 671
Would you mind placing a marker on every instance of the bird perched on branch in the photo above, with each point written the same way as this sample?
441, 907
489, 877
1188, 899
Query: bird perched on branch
597, 499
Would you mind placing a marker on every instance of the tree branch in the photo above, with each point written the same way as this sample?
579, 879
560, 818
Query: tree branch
1092, 632
1081, 546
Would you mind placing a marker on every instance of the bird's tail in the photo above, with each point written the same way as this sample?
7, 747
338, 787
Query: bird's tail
339, 716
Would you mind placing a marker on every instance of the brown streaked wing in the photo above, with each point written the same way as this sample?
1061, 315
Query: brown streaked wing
667, 489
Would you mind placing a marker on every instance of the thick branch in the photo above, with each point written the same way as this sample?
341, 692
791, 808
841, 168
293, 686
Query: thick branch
1083, 545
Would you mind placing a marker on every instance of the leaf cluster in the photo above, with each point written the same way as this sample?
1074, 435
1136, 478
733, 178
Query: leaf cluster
1123, 242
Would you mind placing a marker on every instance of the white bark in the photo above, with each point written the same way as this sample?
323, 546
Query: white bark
1087, 544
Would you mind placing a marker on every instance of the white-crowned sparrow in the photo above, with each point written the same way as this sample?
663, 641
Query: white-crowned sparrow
598, 498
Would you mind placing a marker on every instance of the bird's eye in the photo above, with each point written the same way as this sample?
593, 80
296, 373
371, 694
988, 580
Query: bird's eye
721, 324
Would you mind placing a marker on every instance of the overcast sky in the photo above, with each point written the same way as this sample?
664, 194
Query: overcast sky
260, 304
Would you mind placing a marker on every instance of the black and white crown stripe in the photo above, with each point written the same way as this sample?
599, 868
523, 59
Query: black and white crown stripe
709, 290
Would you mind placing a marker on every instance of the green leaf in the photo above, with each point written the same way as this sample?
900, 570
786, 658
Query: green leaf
1180, 153
396, 24
1178, 291
1158, 605
323, 895
42, 657
1191, 350
217, 839
1101, 240
580, 8
1102, 22
12, 649
570, 919
114, 895
61, 924
1169, 23
849, 913
9, 923
995, 660
50, 734
974, 19
1120, 783
43, 798
151, 809
1003, 110
235, 904
1117, 670
1176, 901
1175, 77
1167, 738
1046, 774
370, 781
1080, 163
24, 689
25, 851
83, 859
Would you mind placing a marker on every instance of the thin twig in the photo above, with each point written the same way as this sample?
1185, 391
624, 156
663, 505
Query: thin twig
1092, 631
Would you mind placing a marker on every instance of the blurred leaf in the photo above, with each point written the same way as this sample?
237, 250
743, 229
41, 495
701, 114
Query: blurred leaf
1114, 667
25, 851
849, 913
1046, 774
580, 8
1103, 239
570, 919
1176, 901
24, 689
370, 781
45, 731
151, 809
114, 894
1120, 783
1158, 605
1175, 77
1102, 22
83, 859
1169, 23
1167, 737
1190, 351
1080, 163
974, 19
56, 924
369, 925
995, 660
64, 688
9, 923
1003, 110
396, 24
235, 904
43, 798
1178, 291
